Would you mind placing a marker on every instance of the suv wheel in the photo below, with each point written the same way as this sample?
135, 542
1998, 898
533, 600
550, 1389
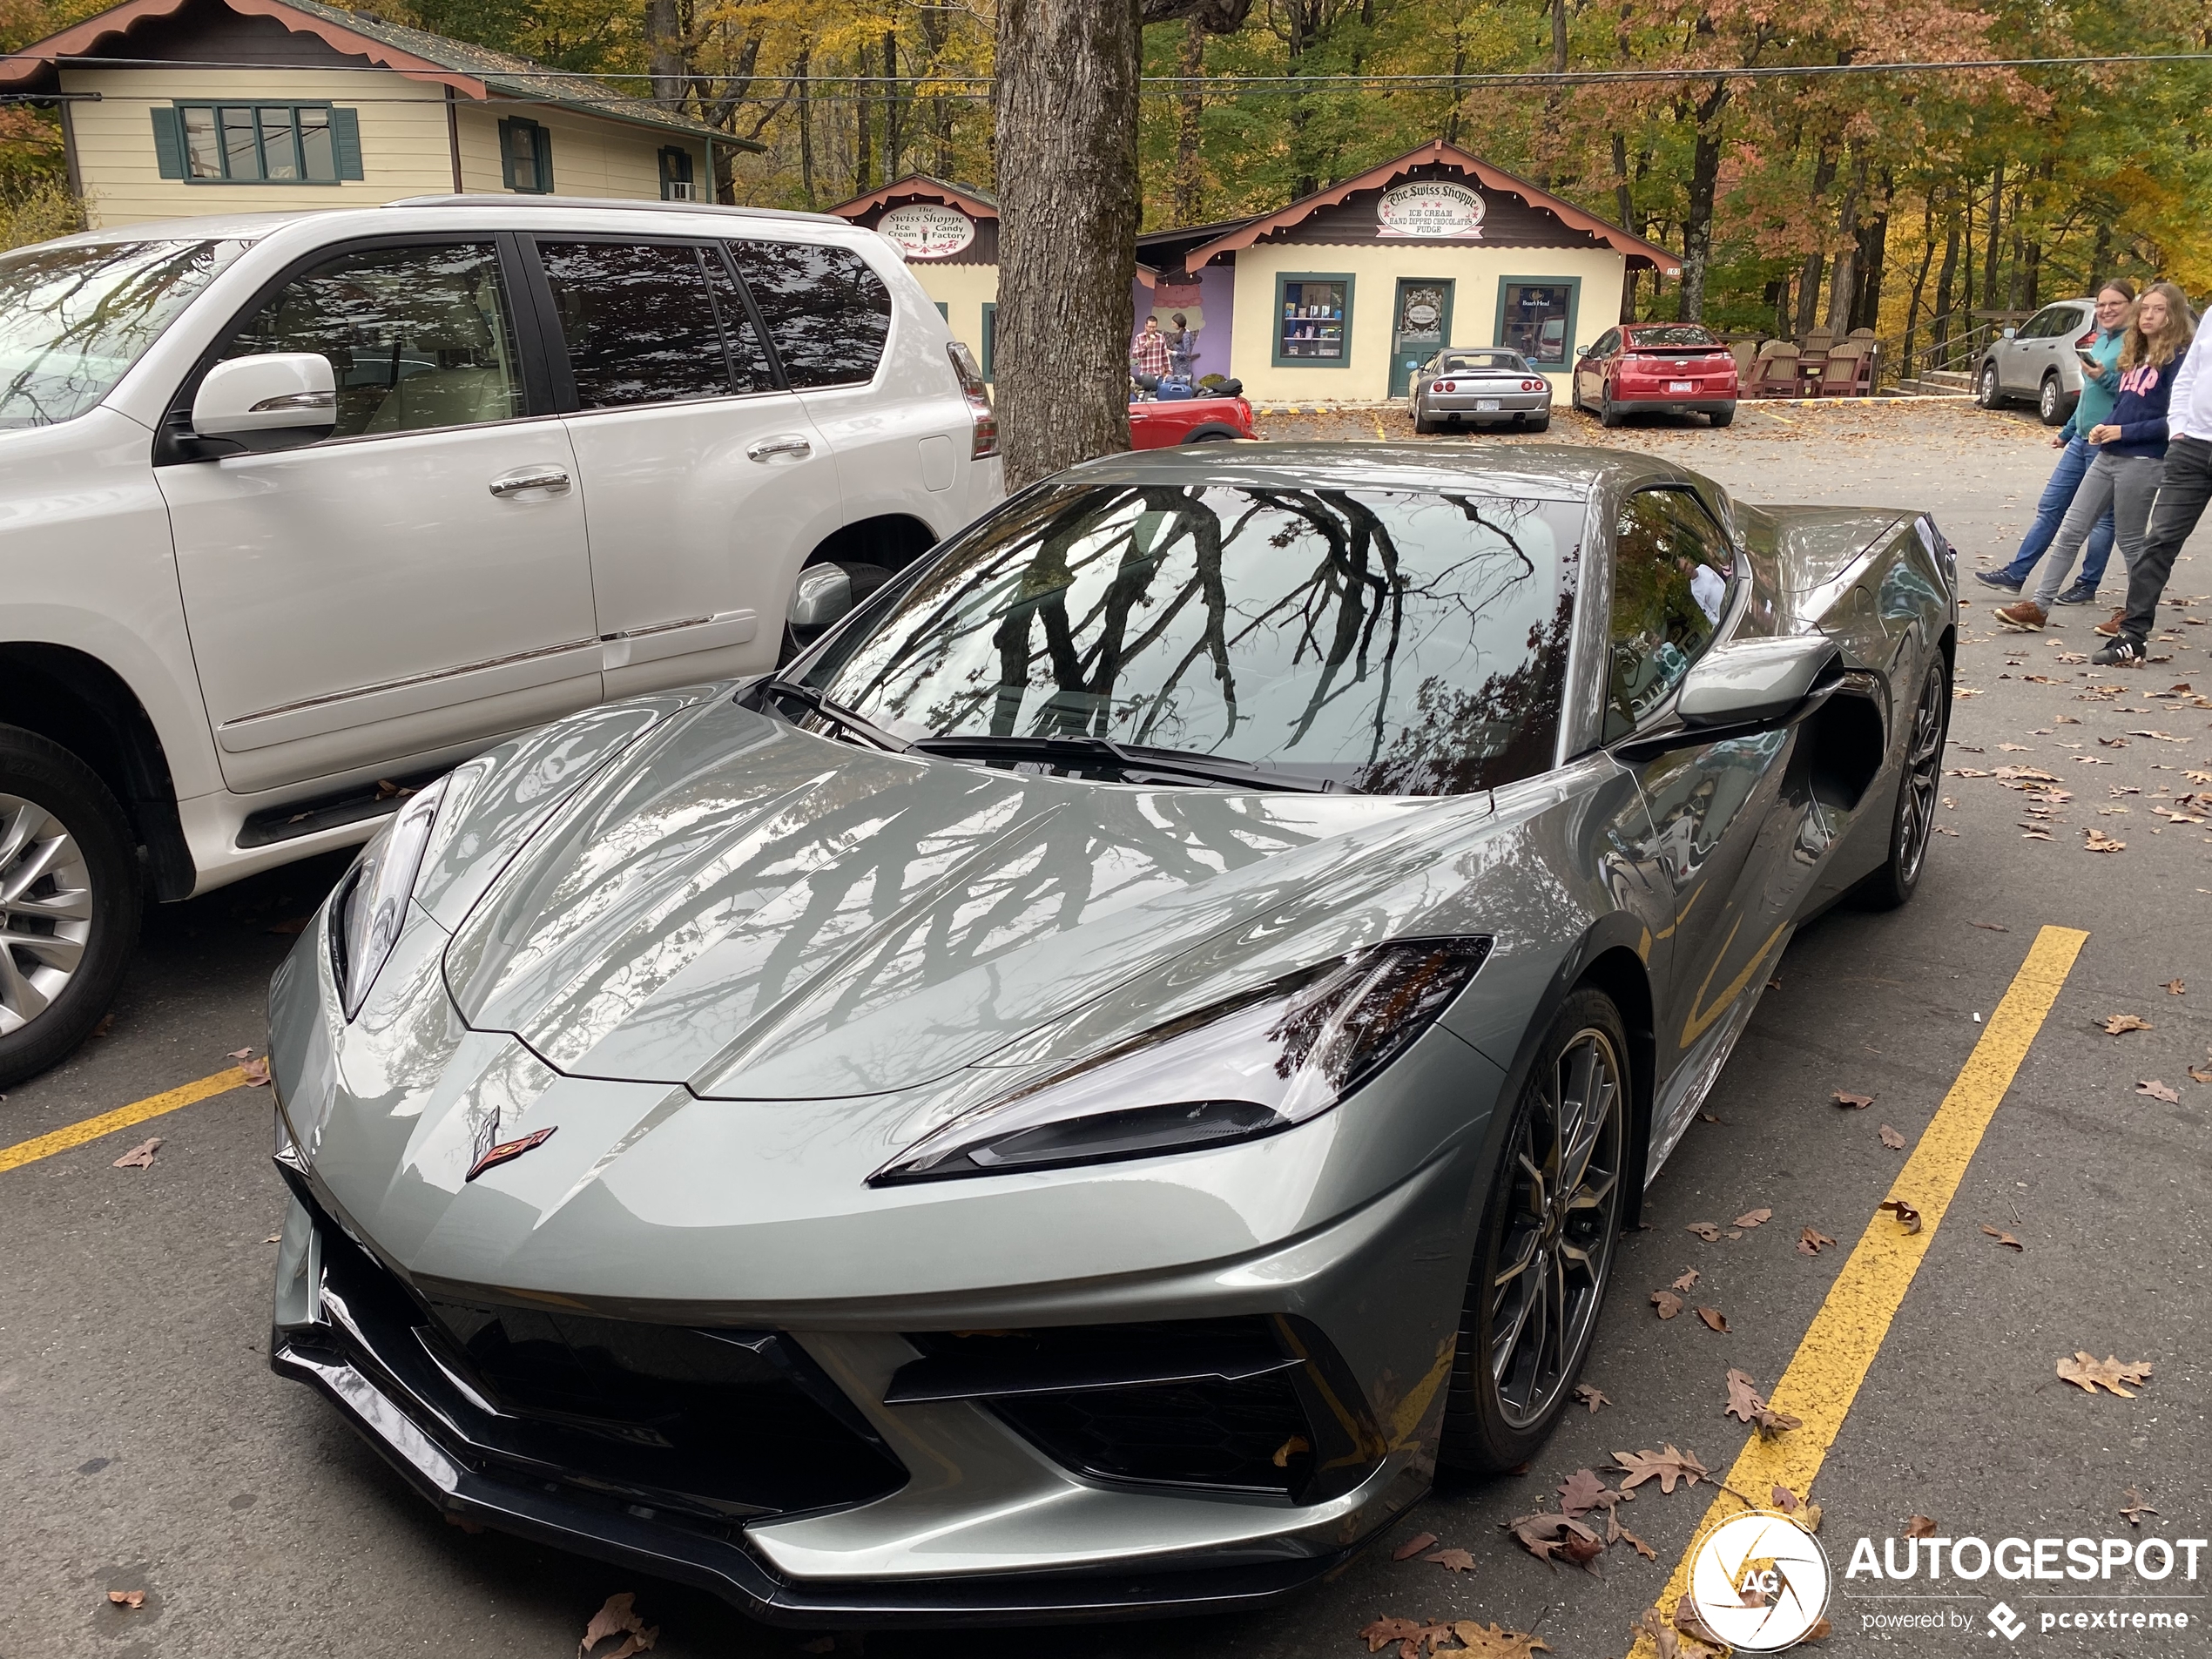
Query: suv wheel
69, 902
2050, 403
1985, 390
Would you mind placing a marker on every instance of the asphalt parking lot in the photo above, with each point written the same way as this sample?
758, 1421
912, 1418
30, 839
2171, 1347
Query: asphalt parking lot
145, 1447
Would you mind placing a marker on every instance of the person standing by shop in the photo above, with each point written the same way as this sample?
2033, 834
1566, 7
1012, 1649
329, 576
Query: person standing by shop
2099, 386
2184, 487
1148, 358
2131, 448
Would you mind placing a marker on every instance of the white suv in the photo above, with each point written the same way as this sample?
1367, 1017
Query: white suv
297, 509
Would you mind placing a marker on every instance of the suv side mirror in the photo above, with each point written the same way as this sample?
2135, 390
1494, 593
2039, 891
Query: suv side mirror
1748, 681
2012, 334
822, 596
270, 401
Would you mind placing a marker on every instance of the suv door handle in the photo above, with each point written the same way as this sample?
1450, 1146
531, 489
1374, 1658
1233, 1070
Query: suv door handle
552, 479
787, 443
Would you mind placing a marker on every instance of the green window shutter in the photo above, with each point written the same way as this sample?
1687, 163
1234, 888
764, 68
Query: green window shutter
345, 139
544, 161
169, 142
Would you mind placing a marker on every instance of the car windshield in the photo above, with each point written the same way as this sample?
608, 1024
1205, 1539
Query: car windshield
1468, 362
1667, 337
73, 320
1391, 640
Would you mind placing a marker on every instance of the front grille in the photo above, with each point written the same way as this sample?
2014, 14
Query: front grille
716, 1423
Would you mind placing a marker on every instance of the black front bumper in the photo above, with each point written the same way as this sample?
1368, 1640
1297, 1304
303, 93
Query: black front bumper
369, 1356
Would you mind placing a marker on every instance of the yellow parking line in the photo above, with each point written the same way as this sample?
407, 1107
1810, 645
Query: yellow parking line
44, 1146
1832, 1362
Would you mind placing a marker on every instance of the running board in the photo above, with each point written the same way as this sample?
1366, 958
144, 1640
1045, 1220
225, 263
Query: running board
362, 804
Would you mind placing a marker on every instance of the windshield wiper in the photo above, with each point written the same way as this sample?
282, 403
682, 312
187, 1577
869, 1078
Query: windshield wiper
836, 714
1127, 758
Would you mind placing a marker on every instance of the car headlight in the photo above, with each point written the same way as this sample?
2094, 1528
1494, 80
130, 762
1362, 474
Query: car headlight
372, 905
1249, 1066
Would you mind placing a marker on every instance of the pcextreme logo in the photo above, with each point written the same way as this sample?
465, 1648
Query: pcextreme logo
1760, 1582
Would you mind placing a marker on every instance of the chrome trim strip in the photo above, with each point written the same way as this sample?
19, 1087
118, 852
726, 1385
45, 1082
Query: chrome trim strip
413, 679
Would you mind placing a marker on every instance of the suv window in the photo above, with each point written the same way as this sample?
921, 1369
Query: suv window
1670, 575
1607, 343
644, 323
2049, 322
418, 337
828, 312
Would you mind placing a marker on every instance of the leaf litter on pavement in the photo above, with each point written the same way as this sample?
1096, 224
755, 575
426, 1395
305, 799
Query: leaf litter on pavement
139, 1157
2090, 1374
1746, 1403
618, 1618
1410, 1636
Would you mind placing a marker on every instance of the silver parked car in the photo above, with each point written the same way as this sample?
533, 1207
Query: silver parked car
1480, 386
2038, 360
1077, 1094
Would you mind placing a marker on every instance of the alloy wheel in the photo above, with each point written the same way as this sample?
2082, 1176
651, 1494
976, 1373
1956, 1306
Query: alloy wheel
1923, 773
2048, 404
1565, 1212
46, 907
1988, 397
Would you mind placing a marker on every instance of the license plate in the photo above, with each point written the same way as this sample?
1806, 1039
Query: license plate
1485, 406
1682, 385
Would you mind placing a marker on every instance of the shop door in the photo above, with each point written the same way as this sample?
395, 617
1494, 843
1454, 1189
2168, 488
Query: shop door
1420, 323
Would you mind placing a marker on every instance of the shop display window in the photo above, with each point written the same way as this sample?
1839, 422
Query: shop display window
1313, 321
1536, 318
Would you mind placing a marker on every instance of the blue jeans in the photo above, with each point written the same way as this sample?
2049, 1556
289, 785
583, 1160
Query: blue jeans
2050, 513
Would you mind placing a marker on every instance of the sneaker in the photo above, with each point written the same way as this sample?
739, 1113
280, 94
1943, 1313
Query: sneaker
2026, 616
2077, 595
2110, 627
2121, 653
2000, 579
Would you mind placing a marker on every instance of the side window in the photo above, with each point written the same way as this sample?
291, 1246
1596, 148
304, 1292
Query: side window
526, 156
1607, 343
1670, 575
642, 322
417, 337
828, 312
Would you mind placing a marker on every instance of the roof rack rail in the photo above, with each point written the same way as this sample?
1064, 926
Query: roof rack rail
487, 199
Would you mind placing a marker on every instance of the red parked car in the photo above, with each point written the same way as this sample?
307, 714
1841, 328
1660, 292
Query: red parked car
1163, 423
1656, 368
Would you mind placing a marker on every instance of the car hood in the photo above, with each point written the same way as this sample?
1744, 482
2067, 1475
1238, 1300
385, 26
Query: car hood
759, 912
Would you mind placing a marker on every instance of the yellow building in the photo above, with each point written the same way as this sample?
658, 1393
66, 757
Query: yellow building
1338, 296
175, 107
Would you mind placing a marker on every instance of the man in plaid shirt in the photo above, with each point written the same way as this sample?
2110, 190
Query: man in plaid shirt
1149, 356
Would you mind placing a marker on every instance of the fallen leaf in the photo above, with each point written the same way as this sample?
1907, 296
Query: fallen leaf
1546, 1535
239, 1053
1688, 1278
1494, 1642
1582, 1492
273, 1238
1786, 1499
1710, 1231
1753, 1217
2158, 1090
1664, 1637
1666, 1467
1692, 1624
1812, 1242
2201, 1076
2089, 1375
1453, 1560
1667, 1302
1919, 1526
1892, 1139
257, 1073
2101, 842
2135, 1509
1992, 927
2002, 1238
615, 1618
1636, 1543
138, 1598
1736, 1232
1590, 1396
139, 1157
2016, 748
1714, 1320
1290, 1449
1745, 1403
1907, 1217
1819, 1632
1412, 1546
106, 1025
1407, 1633
1856, 1103
2116, 1023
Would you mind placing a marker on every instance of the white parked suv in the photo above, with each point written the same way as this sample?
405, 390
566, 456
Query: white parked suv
299, 509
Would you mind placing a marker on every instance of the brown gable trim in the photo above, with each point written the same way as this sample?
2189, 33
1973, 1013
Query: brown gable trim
34, 63
1637, 250
917, 187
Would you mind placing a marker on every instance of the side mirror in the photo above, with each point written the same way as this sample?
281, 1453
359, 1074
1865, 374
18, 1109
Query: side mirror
822, 595
268, 402
1751, 680
2011, 333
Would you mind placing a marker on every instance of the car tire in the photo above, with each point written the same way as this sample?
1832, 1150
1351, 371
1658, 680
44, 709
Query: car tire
1422, 425
1543, 1254
1987, 393
1726, 415
2051, 406
1541, 423
1919, 785
1607, 415
69, 874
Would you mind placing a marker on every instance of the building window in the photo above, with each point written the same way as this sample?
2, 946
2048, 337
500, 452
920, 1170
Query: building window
1536, 318
675, 175
526, 156
257, 144
1312, 321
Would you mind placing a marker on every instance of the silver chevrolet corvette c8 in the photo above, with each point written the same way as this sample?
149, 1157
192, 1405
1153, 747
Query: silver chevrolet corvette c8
1078, 1094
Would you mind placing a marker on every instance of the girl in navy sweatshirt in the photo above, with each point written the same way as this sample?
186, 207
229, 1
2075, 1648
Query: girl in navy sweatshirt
2131, 451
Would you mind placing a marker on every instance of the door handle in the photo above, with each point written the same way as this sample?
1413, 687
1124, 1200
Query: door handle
787, 443
551, 479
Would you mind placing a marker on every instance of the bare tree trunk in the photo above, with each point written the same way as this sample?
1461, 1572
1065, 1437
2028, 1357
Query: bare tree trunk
806, 123
1624, 206
2100, 255
1697, 221
1920, 282
939, 116
1873, 255
1188, 201
1557, 96
1989, 248
665, 52
893, 146
1824, 174
863, 147
1843, 290
1940, 328
1458, 68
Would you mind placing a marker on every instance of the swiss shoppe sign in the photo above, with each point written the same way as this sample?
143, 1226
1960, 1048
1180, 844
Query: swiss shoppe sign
1430, 209
926, 230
